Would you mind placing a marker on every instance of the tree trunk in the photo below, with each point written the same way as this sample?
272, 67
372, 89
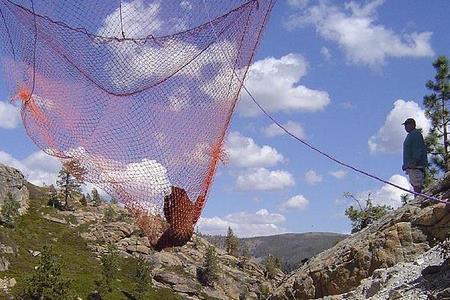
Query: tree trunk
444, 125
66, 196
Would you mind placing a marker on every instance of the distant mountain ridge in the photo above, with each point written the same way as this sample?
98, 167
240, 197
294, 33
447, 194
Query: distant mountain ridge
291, 248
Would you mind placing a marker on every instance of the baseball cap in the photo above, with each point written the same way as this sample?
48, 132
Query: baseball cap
409, 121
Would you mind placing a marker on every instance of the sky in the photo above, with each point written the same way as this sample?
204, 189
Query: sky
343, 76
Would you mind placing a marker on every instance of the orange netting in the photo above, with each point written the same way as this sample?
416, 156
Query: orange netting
137, 94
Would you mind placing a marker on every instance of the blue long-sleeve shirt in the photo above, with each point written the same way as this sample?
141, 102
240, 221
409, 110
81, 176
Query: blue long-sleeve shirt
414, 151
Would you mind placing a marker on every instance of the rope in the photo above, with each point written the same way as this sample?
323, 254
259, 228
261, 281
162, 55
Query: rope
96, 38
121, 19
9, 34
34, 53
308, 144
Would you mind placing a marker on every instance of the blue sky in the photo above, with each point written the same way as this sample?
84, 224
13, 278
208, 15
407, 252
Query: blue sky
343, 76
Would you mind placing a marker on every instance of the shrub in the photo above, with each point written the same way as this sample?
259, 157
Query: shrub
10, 210
210, 271
272, 265
83, 200
363, 216
47, 281
109, 214
96, 197
264, 291
142, 277
110, 265
232, 243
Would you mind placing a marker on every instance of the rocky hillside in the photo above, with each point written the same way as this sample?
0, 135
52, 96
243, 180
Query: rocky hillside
401, 237
81, 236
291, 248
394, 258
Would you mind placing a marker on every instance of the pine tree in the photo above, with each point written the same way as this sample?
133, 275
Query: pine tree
210, 271
110, 265
109, 214
83, 200
68, 185
142, 277
264, 291
232, 243
96, 197
364, 215
245, 252
53, 199
10, 210
47, 280
436, 110
271, 266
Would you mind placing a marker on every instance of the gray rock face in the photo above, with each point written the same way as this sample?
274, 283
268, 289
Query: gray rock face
399, 237
13, 181
177, 268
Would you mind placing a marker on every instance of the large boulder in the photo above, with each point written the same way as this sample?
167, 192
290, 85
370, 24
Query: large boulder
400, 236
12, 181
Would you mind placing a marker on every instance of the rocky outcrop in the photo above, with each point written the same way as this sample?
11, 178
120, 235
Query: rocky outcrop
427, 277
12, 181
399, 237
175, 268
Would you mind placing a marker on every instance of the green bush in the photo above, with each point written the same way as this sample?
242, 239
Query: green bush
232, 243
10, 210
110, 266
364, 215
47, 281
264, 291
83, 200
210, 271
143, 277
109, 214
96, 197
272, 265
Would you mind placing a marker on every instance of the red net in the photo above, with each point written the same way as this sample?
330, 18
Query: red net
138, 95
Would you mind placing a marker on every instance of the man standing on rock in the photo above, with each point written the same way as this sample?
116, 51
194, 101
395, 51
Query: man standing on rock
414, 155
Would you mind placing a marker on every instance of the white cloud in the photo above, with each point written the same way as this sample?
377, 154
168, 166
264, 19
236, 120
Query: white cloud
137, 18
38, 168
294, 127
326, 53
244, 224
262, 216
355, 30
244, 152
146, 177
339, 174
274, 83
298, 3
144, 182
312, 178
389, 195
9, 116
386, 195
262, 179
138, 62
296, 202
390, 136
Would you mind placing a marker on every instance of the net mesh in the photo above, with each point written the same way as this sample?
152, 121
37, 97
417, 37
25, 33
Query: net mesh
137, 95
